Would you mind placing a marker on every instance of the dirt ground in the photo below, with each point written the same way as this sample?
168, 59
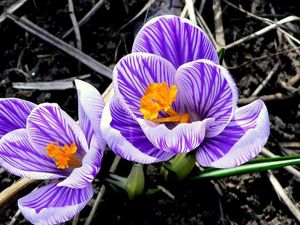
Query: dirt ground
245, 199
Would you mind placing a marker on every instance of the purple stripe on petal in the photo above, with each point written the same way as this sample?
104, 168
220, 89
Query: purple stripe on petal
51, 204
207, 91
135, 72
175, 39
13, 114
241, 140
19, 157
49, 123
91, 163
90, 106
183, 138
126, 138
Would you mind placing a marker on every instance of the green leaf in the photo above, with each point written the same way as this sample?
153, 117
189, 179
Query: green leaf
151, 191
221, 53
256, 165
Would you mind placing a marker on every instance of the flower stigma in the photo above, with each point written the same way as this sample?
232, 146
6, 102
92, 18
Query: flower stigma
157, 98
64, 157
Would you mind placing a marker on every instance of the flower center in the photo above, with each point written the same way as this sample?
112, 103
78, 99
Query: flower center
158, 98
64, 157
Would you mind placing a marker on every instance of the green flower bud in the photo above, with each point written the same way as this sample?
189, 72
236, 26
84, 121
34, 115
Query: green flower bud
179, 167
133, 184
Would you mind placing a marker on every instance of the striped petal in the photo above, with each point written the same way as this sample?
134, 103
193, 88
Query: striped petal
13, 114
91, 163
126, 138
242, 139
207, 91
20, 158
90, 106
135, 72
183, 138
175, 39
51, 204
49, 123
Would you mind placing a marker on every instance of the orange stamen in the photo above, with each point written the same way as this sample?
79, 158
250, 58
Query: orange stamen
64, 157
158, 97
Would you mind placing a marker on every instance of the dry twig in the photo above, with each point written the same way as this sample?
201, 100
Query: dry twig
290, 169
62, 84
77, 54
9, 194
266, 80
144, 9
263, 31
283, 196
75, 25
14, 7
166, 192
15, 217
86, 18
101, 193
191, 11
265, 20
219, 30
272, 97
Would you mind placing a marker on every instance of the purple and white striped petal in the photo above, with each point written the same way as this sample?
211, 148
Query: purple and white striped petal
20, 158
242, 139
51, 204
134, 72
13, 114
207, 91
91, 163
175, 39
48, 123
183, 138
126, 138
90, 106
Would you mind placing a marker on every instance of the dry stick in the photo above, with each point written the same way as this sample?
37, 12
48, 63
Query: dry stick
166, 192
144, 9
295, 78
15, 6
191, 11
184, 11
290, 169
219, 30
266, 98
77, 54
266, 80
61, 84
283, 196
204, 26
86, 18
262, 31
2, 170
75, 219
101, 192
263, 57
265, 20
201, 7
75, 25
15, 217
9, 193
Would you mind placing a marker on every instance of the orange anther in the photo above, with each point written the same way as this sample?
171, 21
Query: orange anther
159, 98
64, 157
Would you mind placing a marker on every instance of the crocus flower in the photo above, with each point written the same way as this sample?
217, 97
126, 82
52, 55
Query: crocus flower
172, 97
44, 142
